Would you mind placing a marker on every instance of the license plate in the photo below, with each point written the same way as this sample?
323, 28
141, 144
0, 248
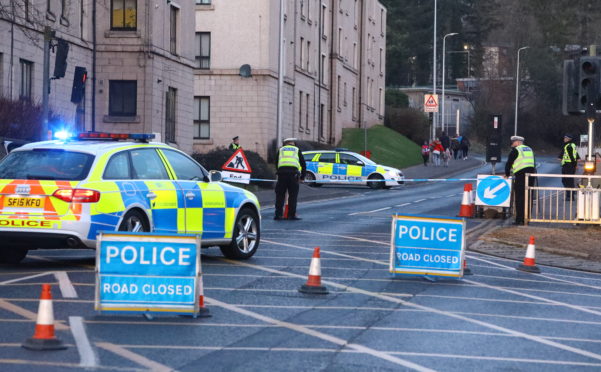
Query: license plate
23, 202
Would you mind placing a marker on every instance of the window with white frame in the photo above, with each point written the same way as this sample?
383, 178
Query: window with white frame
202, 117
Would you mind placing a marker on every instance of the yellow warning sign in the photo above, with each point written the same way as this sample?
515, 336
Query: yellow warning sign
430, 102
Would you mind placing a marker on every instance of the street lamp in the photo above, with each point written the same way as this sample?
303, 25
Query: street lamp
444, 46
466, 48
517, 90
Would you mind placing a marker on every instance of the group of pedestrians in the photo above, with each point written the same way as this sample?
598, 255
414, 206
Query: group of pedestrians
441, 149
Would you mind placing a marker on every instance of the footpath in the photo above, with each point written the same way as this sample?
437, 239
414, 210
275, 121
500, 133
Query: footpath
504, 240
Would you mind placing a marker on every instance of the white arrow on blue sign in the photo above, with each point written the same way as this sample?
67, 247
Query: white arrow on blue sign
493, 191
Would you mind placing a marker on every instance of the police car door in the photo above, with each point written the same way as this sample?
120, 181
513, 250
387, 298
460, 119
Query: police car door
325, 167
160, 192
351, 168
204, 209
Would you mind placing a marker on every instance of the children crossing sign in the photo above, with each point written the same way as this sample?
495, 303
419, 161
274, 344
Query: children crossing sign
430, 102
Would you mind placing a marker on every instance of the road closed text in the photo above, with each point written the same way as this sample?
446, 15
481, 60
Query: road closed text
406, 257
147, 289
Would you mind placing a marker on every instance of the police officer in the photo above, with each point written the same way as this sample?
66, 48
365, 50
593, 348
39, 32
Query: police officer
291, 170
519, 162
569, 157
235, 145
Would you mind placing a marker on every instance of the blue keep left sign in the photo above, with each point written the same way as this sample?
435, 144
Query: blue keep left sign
424, 245
494, 191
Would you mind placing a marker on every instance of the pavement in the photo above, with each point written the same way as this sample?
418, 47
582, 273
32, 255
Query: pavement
544, 256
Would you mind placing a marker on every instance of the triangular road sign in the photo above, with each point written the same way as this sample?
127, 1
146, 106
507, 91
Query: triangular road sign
431, 101
237, 163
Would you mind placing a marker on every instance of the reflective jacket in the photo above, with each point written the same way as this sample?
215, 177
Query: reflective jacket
569, 153
525, 159
288, 157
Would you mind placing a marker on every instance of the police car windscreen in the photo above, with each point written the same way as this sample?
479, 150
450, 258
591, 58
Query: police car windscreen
46, 164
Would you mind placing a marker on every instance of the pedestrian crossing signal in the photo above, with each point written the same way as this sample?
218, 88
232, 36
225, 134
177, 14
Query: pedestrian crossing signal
237, 163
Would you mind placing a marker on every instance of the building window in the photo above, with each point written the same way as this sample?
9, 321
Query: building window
302, 52
203, 2
300, 111
382, 25
302, 9
307, 115
26, 9
324, 9
202, 116
26, 79
64, 13
308, 56
381, 102
203, 50
170, 105
355, 55
321, 119
338, 98
49, 14
173, 16
340, 41
323, 68
353, 104
122, 97
344, 97
123, 14
381, 60
356, 10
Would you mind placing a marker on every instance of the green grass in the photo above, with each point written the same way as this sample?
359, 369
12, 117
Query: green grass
387, 146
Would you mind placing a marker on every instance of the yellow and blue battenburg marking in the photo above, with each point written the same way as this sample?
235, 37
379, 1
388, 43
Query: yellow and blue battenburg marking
339, 169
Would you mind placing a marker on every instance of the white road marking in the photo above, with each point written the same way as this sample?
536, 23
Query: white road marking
420, 200
435, 311
87, 357
320, 335
28, 314
332, 253
402, 205
367, 212
24, 278
347, 237
136, 358
67, 289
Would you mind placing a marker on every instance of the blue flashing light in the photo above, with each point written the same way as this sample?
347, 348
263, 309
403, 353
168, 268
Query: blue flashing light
142, 136
62, 135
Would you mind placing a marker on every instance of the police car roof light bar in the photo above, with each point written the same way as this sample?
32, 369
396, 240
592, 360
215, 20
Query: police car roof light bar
143, 137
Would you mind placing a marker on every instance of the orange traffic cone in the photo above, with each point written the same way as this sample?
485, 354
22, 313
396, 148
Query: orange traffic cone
466, 209
313, 285
472, 197
466, 270
529, 264
203, 312
286, 207
43, 337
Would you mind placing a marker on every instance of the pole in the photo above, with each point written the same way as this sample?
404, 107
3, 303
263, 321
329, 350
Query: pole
444, 47
435, 114
457, 123
48, 33
589, 153
517, 90
278, 137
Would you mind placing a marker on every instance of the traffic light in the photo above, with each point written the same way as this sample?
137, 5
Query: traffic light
60, 63
79, 84
589, 81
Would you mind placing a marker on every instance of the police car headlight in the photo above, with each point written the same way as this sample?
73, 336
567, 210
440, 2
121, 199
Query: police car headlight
393, 175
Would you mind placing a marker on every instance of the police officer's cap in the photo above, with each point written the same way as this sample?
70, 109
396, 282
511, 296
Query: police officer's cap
291, 139
568, 135
235, 138
517, 138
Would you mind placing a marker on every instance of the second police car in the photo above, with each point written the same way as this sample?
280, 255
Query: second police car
60, 194
345, 167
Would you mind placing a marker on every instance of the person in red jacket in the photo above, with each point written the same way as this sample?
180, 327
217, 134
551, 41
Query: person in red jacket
426, 153
437, 150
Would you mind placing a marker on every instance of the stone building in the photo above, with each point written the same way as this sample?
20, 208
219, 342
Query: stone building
334, 70
136, 52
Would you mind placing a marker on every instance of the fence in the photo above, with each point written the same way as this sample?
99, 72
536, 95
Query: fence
557, 204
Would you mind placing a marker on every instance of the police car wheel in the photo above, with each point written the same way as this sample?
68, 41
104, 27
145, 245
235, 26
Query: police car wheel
12, 256
310, 179
246, 236
374, 182
134, 221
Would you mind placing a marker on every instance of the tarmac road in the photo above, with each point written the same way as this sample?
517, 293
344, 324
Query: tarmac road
497, 319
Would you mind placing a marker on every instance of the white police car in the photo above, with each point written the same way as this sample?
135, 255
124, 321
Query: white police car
345, 167
60, 194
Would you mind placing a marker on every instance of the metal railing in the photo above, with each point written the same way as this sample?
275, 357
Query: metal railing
557, 204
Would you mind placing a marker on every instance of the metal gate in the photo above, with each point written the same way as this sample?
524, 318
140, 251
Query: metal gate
558, 204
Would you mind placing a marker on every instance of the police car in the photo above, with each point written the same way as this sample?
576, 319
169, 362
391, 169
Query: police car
344, 167
60, 194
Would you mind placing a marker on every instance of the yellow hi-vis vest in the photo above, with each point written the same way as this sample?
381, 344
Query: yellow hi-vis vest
569, 147
235, 146
525, 159
288, 157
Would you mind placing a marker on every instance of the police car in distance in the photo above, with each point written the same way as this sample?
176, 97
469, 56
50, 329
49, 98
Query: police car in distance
344, 167
60, 194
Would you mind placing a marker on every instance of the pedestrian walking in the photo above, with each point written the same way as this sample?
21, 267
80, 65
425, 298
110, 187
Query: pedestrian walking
446, 156
455, 146
291, 170
520, 162
445, 141
437, 151
235, 145
426, 153
569, 162
465, 146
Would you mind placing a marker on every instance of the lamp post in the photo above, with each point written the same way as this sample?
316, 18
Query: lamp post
434, 115
466, 48
444, 46
517, 90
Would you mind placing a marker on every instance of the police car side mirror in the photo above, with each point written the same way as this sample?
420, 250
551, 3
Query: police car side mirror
215, 176
359, 162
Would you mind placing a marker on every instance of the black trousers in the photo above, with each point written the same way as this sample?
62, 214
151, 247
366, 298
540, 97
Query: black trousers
568, 182
286, 182
519, 190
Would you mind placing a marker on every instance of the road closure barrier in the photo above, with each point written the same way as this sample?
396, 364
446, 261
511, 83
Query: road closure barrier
44, 337
529, 264
313, 285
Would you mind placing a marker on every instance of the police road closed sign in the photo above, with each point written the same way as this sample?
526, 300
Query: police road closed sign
493, 191
432, 246
146, 272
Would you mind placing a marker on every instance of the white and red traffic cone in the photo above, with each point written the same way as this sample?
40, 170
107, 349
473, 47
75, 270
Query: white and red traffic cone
466, 209
44, 337
313, 285
203, 311
466, 270
285, 215
529, 264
